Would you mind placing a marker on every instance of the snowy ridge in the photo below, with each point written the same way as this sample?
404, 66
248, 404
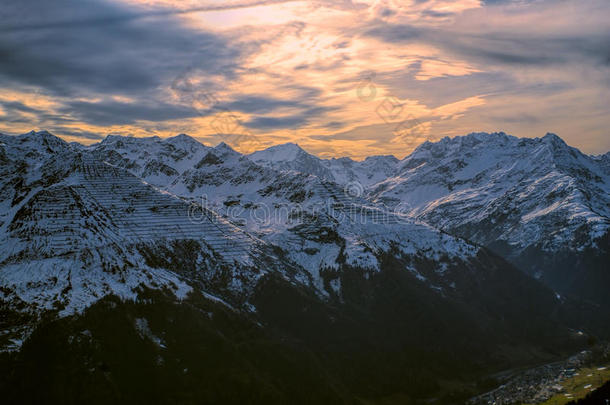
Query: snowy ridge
530, 200
344, 170
75, 229
153, 159
316, 222
126, 210
529, 190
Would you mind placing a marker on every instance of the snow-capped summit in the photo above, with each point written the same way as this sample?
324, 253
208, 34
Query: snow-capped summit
79, 225
226, 151
279, 153
459, 144
44, 138
371, 170
494, 165
291, 156
156, 160
30, 146
121, 139
554, 139
183, 141
529, 199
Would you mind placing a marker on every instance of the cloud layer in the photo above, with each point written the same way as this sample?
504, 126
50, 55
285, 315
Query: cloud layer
341, 78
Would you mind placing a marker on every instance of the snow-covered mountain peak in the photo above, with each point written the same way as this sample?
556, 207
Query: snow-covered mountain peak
543, 153
382, 158
517, 195
344, 160
113, 139
183, 141
286, 152
44, 138
32, 133
553, 139
223, 147
31, 147
291, 157
182, 137
458, 143
226, 153
156, 160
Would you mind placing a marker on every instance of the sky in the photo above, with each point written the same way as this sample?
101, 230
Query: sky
340, 78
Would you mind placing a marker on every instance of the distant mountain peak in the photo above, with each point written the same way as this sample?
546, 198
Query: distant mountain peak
343, 159
39, 134
484, 140
554, 139
111, 138
290, 146
281, 153
224, 146
374, 158
185, 142
42, 137
44, 132
552, 136
224, 150
181, 138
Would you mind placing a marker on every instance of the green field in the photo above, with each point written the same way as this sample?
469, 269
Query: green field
574, 388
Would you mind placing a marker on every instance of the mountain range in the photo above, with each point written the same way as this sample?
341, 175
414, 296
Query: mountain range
540, 203
377, 280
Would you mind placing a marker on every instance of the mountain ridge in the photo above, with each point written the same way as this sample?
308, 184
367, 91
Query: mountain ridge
498, 190
138, 231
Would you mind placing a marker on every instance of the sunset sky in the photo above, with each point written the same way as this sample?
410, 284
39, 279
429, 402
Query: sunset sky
341, 78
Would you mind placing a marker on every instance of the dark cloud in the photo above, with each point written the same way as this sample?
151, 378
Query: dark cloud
301, 103
509, 49
15, 112
110, 18
522, 118
103, 113
394, 32
387, 12
275, 123
437, 14
18, 107
379, 136
107, 52
76, 133
106, 113
438, 91
292, 121
381, 132
259, 104
333, 125
503, 2
504, 49
15, 119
